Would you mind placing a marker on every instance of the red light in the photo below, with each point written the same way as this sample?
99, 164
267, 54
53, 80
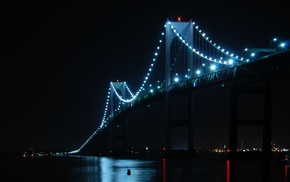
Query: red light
163, 148
179, 19
117, 80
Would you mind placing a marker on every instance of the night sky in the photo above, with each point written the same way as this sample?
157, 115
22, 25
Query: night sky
57, 59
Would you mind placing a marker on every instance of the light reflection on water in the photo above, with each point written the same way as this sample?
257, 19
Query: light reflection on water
286, 169
216, 169
111, 169
117, 170
107, 169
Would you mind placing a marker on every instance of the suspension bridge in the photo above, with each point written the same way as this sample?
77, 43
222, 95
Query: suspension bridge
185, 60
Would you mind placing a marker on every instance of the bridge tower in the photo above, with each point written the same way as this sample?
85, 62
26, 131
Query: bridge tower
186, 30
121, 89
118, 127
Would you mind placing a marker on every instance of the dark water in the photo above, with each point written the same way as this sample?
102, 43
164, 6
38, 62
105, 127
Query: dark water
203, 168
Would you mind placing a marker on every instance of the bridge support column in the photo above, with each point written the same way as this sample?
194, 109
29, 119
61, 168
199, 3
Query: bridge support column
263, 157
119, 135
179, 118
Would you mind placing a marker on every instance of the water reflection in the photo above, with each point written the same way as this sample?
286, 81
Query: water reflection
217, 169
205, 168
286, 173
164, 169
110, 169
255, 170
228, 171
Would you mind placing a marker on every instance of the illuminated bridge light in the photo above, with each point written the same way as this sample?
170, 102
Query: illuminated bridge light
176, 79
208, 60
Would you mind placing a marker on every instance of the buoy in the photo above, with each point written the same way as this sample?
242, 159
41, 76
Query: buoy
128, 171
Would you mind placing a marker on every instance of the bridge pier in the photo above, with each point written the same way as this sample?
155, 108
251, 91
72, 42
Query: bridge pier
179, 117
119, 137
263, 157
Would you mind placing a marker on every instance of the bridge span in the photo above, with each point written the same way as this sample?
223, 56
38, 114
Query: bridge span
192, 62
251, 77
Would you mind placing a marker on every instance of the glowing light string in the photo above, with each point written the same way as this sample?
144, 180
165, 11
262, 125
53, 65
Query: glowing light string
209, 41
106, 118
134, 96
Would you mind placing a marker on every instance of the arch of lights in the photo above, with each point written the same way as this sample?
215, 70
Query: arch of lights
106, 118
222, 50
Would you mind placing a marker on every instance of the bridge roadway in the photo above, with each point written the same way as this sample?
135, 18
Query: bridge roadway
261, 71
